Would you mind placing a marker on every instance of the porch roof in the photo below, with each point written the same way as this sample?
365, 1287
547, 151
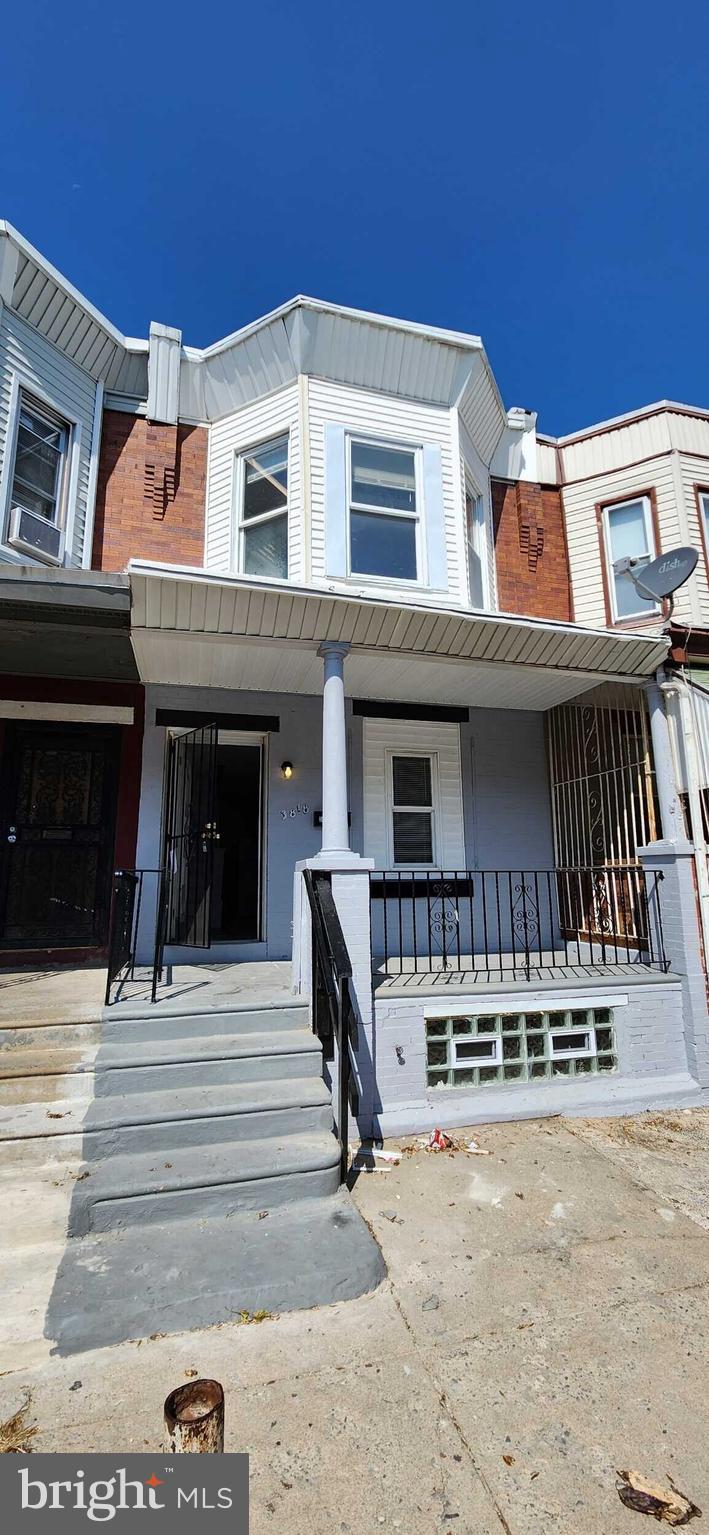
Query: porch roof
201, 629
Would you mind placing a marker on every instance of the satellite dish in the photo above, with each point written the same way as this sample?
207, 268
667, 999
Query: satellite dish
660, 578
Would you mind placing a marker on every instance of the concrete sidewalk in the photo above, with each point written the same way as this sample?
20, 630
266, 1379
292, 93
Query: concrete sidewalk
544, 1322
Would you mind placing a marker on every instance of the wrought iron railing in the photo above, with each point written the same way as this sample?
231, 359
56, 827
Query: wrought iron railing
333, 1015
507, 921
124, 926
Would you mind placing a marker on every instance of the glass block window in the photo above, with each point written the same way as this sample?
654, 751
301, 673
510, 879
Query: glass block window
472, 1051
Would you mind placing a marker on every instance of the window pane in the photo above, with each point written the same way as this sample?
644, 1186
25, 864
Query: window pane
412, 780
627, 537
476, 537
266, 479
266, 548
383, 546
383, 477
413, 836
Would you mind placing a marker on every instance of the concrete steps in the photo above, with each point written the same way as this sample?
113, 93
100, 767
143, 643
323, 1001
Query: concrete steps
180, 1116
204, 1181
149, 1065
137, 1159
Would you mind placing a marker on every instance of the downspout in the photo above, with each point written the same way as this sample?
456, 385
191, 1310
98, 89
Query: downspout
676, 692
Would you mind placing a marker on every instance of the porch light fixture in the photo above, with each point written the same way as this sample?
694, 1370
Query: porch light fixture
287, 769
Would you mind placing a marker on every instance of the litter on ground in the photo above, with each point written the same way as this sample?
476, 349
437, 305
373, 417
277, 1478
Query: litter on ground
666, 1504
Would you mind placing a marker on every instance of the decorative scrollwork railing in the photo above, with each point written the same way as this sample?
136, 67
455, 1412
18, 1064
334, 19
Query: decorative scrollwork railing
516, 920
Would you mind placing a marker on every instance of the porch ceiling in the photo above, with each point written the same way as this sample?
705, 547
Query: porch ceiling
230, 632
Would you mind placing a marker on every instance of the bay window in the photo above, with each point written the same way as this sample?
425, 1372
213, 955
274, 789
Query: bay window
383, 511
263, 516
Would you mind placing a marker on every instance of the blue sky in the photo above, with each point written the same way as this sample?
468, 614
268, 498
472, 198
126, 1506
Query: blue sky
534, 174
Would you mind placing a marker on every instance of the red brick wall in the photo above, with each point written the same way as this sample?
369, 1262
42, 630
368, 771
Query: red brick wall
530, 550
150, 494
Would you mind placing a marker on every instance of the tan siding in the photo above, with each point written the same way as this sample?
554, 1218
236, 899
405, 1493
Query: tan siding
580, 503
617, 447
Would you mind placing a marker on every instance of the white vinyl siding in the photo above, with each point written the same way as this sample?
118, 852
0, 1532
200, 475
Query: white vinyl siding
33, 365
402, 423
266, 419
384, 739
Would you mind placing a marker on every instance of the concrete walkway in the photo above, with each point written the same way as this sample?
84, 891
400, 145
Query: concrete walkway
544, 1322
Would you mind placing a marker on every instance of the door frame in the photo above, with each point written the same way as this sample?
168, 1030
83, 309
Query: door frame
13, 732
234, 738
260, 739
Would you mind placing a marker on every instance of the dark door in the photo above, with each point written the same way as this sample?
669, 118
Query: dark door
190, 835
58, 816
236, 890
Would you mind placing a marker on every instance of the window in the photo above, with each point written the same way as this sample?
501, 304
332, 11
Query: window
412, 810
628, 532
476, 546
383, 501
519, 1047
40, 458
704, 511
263, 524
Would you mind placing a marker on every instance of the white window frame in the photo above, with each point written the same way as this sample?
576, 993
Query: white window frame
467, 1061
434, 811
482, 528
558, 1053
242, 523
32, 396
413, 449
651, 551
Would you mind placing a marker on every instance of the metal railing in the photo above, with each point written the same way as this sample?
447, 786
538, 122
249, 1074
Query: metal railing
333, 1015
124, 926
505, 921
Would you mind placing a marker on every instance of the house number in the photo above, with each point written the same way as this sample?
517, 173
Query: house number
290, 815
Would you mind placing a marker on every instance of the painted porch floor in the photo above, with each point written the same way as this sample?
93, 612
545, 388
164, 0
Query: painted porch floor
69, 995
474, 975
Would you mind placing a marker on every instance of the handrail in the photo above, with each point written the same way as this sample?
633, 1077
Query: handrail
124, 925
334, 1019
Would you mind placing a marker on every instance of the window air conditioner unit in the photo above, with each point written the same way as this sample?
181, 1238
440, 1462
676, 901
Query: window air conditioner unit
35, 536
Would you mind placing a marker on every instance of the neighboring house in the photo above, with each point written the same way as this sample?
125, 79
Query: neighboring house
367, 612
637, 485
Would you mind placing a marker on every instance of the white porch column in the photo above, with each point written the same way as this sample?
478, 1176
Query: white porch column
671, 819
335, 829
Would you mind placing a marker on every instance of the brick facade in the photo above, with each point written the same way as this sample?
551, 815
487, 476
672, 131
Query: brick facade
530, 547
150, 495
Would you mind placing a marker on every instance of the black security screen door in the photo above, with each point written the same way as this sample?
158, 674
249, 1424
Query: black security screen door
57, 819
190, 836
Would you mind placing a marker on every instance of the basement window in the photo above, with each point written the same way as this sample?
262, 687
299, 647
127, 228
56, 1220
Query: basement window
477, 1050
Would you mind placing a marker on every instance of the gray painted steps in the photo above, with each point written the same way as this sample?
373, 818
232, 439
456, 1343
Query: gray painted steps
179, 1116
149, 1065
204, 1181
162, 1023
193, 1273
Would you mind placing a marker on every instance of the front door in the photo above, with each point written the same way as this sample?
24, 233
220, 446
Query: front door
57, 830
236, 891
190, 836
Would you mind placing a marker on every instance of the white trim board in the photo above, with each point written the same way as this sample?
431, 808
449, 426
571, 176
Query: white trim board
75, 714
513, 1002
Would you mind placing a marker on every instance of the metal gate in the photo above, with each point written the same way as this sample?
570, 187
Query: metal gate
604, 806
190, 834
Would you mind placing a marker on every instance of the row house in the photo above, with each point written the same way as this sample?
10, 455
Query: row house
323, 648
